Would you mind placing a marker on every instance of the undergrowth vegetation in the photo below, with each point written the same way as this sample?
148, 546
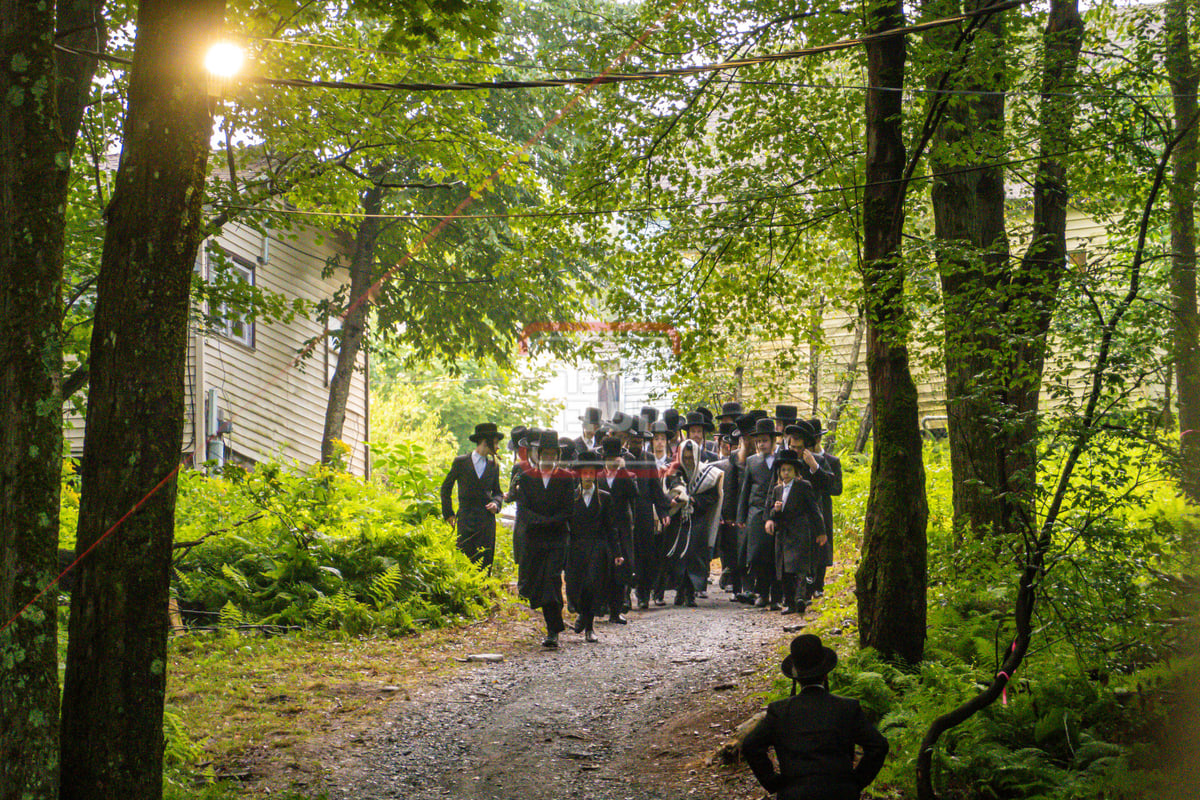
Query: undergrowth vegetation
1089, 714
318, 548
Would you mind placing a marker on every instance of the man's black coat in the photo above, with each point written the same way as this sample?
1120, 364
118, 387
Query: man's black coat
475, 524
814, 734
547, 513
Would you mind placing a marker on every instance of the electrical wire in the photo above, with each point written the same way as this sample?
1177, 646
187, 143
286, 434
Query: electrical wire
608, 77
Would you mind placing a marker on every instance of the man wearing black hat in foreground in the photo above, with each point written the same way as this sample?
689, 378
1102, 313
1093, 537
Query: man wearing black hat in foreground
814, 734
546, 495
479, 497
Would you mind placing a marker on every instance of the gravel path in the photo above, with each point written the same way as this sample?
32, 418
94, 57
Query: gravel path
634, 716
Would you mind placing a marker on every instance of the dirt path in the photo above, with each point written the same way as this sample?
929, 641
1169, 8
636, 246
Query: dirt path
634, 716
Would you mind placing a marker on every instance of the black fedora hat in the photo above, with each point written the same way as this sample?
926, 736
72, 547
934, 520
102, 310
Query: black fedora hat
648, 413
518, 435
786, 456
660, 426
800, 428
695, 418
591, 416
588, 458
707, 412
764, 426
567, 449
759, 413
610, 447
621, 422
730, 410
728, 431
745, 424
786, 413
808, 659
485, 430
671, 417
546, 440
530, 437
818, 429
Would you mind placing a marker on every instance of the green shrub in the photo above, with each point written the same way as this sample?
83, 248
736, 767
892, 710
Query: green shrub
318, 548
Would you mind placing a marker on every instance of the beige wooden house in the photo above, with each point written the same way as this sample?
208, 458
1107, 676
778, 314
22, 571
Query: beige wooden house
249, 395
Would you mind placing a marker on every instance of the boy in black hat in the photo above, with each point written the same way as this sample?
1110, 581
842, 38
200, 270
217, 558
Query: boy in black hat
593, 549
622, 488
697, 428
814, 734
795, 521
546, 495
479, 497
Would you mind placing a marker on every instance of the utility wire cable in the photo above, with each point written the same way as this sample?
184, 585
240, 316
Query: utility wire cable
591, 81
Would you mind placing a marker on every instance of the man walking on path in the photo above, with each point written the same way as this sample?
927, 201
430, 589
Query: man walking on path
547, 497
479, 497
814, 734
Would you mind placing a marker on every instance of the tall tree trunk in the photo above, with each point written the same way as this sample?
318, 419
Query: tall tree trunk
1033, 289
354, 325
972, 251
116, 660
816, 341
891, 577
1034, 286
34, 160
1184, 323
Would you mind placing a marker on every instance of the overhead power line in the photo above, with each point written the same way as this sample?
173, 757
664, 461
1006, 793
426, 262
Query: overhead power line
608, 77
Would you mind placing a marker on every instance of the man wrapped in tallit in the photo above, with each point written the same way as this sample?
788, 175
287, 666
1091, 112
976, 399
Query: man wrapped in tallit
694, 491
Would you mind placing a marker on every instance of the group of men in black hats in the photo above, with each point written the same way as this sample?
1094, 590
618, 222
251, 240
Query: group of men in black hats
639, 505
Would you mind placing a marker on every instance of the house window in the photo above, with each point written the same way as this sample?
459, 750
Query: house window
229, 323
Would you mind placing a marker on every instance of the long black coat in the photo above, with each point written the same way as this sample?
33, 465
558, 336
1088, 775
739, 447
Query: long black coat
757, 480
547, 512
827, 489
623, 491
797, 527
593, 544
814, 734
475, 524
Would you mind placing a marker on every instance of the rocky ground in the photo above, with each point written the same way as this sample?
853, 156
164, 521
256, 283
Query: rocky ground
638, 715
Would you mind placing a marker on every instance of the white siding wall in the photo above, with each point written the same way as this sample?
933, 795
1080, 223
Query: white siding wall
276, 409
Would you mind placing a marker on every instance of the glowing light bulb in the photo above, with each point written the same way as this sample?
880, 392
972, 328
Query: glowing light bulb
224, 59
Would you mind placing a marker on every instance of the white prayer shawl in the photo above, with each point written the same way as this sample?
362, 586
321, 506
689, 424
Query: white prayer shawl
701, 478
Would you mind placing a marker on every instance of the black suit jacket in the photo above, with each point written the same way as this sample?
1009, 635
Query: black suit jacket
474, 492
546, 509
814, 734
800, 517
829, 487
757, 480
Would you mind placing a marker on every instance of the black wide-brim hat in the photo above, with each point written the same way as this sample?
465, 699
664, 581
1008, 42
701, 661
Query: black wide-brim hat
787, 456
671, 417
808, 660
787, 413
588, 458
659, 426
745, 424
695, 418
518, 437
546, 440
730, 410
591, 416
707, 412
621, 422
649, 414
818, 428
800, 428
610, 447
763, 427
485, 430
